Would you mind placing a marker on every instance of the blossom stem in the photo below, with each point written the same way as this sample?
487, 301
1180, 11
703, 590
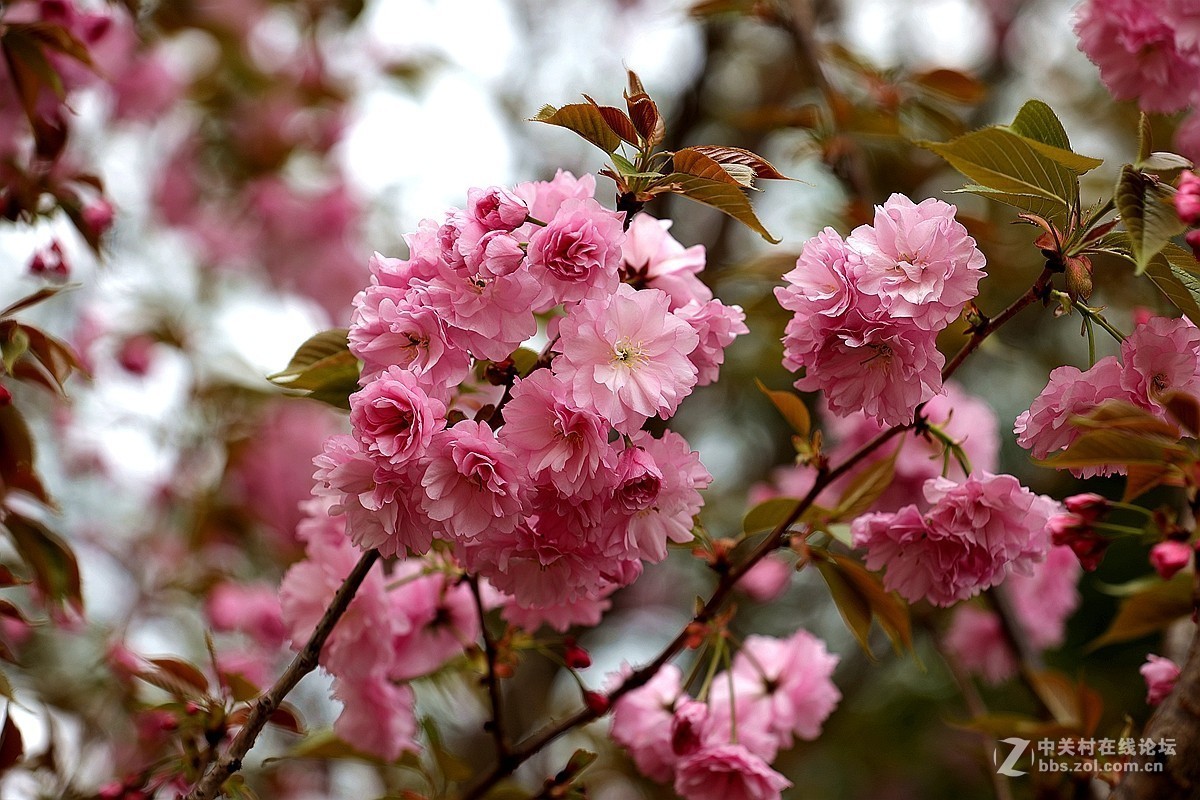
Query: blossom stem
496, 722
1035, 292
267, 703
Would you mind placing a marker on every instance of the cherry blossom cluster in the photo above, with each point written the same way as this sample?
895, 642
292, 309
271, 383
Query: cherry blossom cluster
545, 486
776, 691
972, 537
1146, 51
1161, 355
867, 309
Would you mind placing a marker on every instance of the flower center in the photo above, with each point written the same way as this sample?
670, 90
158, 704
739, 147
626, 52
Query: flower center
628, 354
881, 358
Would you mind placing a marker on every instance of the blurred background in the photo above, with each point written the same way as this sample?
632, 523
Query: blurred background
252, 155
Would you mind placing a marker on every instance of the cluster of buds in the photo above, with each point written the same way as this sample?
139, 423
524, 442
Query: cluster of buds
1076, 528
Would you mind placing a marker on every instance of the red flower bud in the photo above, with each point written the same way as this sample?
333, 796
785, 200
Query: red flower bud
596, 702
1170, 557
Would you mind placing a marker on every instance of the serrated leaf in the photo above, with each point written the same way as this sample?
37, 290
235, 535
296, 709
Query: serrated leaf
324, 368
866, 487
1148, 214
1179, 286
584, 119
1027, 164
726, 198
617, 120
791, 407
725, 156
691, 162
55, 570
1148, 611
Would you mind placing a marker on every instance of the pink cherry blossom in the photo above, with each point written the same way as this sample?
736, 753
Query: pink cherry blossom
717, 325
377, 716
879, 367
727, 772
1187, 199
1161, 355
1135, 46
441, 620
251, 609
556, 441
975, 533
380, 504
1046, 427
473, 482
767, 580
392, 327
1161, 675
918, 260
496, 209
488, 317
394, 419
584, 610
641, 723
544, 198
577, 254
820, 289
791, 680
653, 258
657, 495
626, 357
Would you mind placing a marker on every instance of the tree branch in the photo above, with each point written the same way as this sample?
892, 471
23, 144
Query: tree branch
266, 704
496, 723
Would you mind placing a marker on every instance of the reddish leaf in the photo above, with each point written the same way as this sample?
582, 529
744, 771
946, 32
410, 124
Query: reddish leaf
644, 112
617, 120
1184, 409
791, 407
952, 84
45, 293
55, 570
16, 455
691, 162
736, 155
584, 119
185, 672
724, 197
288, 718
1148, 611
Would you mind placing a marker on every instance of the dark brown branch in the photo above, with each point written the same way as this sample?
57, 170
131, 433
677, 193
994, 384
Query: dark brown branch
266, 705
496, 723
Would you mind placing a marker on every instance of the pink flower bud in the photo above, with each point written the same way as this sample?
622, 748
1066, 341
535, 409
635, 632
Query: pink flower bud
1090, 506
1169, 557
496, 209
98, 217
5, 396
135, 354
1187, 199
1075, 532
596, 702
575, 656
1160, 674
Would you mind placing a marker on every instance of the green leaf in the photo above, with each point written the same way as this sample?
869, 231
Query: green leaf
1109, 446
724, 197
584, 119
767, 515
866, 488
1150, 219
55, 570
1149, 611
1179, 286
323, 368
860, 598
1028, 164
791, 407
1160, 161
1145, 137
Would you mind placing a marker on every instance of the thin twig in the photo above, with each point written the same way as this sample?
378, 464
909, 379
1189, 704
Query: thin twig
496, 723
266, 705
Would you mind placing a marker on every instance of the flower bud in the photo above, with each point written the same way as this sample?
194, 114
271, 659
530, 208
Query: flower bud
1187, 199
596, 702
1090, 506
1170, 557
